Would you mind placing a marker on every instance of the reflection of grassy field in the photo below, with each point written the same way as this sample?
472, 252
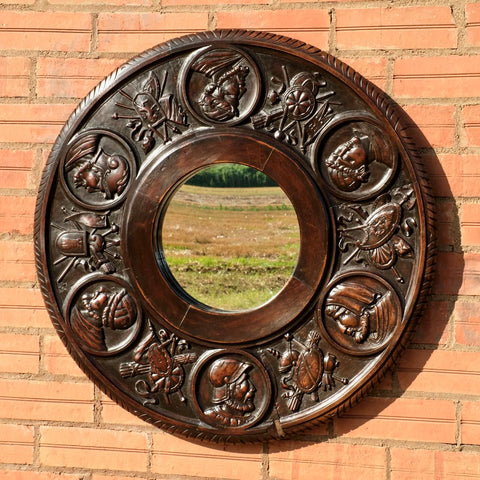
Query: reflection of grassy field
231, 248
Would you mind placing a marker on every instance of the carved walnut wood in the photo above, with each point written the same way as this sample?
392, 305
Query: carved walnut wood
336, 146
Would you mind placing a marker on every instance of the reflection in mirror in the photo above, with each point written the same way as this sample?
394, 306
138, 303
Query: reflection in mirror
231, 237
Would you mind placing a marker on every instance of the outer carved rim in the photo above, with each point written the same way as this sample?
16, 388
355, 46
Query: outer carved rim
365, 89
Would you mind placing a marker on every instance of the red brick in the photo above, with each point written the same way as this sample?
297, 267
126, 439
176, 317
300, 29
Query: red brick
471, 275
436, 77
296, 460
440, 371
57, 360
433, 327
470, 224
72, 77
174, 456
19, 353
32, 123
471, 118
46, 400
15, 168
399, 419
467, 323
470, 422
135, 32
372, 68
16, 214
56, 31
16, 261
456, 175
409, 464
114, 414
393, 28
120, 3
14, 76
447, 221
436, 123
114, 477
23, 307
453, 263
310, 26
473, 23
16, 444
93, 448
31, 475
174, 3
317, 1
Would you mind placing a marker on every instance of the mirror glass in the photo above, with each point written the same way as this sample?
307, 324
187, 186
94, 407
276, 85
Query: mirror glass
230, 237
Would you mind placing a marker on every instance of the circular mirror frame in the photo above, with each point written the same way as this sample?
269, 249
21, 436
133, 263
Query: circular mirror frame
366, 230
199, 235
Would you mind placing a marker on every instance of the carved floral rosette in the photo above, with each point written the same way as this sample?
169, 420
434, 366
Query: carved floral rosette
340, 150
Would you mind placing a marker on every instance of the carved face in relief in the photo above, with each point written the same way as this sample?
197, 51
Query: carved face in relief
233, 391
355, 309
104, 173
99, 310
220, 99
347, 165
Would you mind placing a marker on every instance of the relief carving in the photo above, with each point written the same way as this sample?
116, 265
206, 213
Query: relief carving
340, 151
220, 98
98, 169
348, 164
231, 389
303, 108
104, 317
376, 236
221, 85
161, 357
153, 113
360, 313
233, 392
307, 369
88, 247
354, 157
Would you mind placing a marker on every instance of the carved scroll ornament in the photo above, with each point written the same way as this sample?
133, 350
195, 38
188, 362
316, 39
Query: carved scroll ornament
336, 146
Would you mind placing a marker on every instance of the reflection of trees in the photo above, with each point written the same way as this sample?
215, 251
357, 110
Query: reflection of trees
231, 175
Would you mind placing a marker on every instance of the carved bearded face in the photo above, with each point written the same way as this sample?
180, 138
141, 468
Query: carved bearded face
241, 395
347, 165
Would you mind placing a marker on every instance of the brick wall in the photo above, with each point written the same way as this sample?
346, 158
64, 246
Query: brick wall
424, 419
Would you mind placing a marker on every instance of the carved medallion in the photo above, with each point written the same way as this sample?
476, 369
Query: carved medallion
231, 389
98, 168
360, 313
220, 85
104, 316
337, 148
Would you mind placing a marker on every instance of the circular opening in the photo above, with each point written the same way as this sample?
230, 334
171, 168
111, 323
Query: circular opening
230, 237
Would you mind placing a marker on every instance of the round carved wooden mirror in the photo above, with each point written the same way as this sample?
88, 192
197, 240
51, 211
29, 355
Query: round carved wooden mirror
335, 147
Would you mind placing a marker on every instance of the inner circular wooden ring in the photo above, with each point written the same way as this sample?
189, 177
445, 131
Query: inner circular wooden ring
166, 301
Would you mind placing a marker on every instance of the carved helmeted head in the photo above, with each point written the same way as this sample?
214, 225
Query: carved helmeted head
348, 163
232, 385
115, 310
220, 98
96, 170
104, 173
